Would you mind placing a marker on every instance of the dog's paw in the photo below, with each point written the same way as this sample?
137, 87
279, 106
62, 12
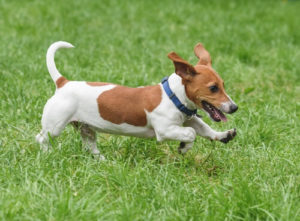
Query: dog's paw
230, 135
184, 147
99, 157
189, 135
181, 146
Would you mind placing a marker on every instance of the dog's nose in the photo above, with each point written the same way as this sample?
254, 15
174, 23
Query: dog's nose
233, 108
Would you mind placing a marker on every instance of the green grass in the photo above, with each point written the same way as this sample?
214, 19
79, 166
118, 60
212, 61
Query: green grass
255, 46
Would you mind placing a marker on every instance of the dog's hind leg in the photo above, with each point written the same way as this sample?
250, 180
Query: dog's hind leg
43, 139
56, 115
88, 136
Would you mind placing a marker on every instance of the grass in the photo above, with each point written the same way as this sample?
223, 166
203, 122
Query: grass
255, 48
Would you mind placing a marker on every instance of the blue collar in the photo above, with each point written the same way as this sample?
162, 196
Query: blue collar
175, 99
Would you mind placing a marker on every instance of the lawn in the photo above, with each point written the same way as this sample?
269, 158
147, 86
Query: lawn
255, 47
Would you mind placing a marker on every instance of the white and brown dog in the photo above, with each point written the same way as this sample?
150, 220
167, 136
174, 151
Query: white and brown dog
166, 111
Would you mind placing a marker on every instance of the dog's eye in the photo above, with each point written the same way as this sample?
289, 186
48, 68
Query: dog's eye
214, 88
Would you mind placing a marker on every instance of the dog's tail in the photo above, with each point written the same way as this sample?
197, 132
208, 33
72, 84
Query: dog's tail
50, 58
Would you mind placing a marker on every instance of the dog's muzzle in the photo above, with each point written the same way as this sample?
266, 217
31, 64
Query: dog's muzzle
233, 108
229, 107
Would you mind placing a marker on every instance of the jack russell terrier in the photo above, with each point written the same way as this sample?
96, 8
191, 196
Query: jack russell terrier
166, 111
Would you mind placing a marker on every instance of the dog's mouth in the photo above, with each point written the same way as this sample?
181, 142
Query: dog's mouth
215, 114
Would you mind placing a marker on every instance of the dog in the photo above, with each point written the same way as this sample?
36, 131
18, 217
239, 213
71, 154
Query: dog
167, 111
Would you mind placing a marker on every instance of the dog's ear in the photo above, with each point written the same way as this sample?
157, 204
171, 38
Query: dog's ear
202, 54
182, 68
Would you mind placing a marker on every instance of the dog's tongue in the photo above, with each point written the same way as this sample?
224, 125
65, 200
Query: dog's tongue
221, 116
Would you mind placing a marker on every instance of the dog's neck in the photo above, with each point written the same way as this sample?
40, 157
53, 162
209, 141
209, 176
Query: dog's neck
177, 87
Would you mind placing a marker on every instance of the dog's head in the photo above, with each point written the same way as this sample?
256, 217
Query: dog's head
203, 86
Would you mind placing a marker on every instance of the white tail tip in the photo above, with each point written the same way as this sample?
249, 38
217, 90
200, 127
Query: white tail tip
50, 58
63, 44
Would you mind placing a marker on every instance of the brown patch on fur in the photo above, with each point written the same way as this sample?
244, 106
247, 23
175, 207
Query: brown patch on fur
127, 105
198, 89
202, 54
97, 84
197, 79
60, 82
182, 68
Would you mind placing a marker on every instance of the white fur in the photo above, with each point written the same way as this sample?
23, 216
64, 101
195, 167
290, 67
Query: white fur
225, 106
54, 73
77, 101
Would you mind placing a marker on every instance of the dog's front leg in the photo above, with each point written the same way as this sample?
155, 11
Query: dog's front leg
186, 135
204, 130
